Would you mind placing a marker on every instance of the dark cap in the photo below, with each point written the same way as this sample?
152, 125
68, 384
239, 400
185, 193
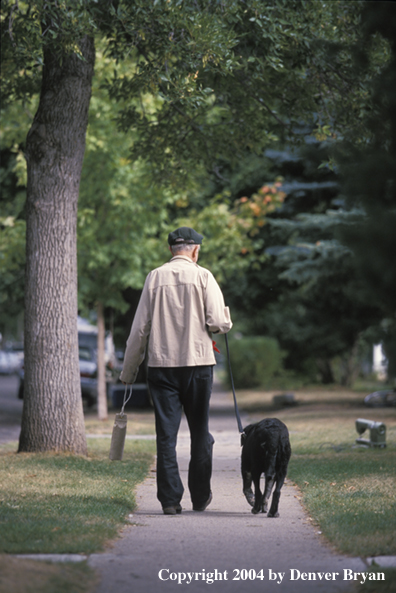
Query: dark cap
184, 235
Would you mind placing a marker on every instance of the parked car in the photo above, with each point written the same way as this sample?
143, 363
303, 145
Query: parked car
88, 345
140, 397
88, 336
88, 376
17, 350
9, 362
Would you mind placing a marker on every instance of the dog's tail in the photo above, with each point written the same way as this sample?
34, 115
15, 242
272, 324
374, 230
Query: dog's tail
245, 432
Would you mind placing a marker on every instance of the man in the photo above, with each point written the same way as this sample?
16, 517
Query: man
180, 307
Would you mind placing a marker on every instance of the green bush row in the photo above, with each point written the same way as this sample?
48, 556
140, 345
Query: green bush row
255, 361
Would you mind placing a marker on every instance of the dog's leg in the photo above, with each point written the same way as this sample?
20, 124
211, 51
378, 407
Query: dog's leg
269, 484
257, 494
273, 512
247, 488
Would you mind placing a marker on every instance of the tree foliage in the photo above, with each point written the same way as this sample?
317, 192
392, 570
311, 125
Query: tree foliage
369, 182
236, 77
330, 279
302, 287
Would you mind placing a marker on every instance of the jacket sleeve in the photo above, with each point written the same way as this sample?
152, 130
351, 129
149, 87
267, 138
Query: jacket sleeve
137, 341
218, 319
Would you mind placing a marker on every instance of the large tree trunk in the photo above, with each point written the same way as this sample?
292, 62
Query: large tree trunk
52, 413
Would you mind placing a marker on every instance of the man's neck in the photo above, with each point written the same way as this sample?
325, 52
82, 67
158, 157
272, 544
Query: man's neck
183, 254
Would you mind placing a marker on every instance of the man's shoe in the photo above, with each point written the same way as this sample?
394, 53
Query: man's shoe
204, 506
173, 510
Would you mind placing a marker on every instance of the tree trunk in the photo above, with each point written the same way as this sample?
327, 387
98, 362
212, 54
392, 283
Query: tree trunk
52, 414
350, 365
102, 396
325, 371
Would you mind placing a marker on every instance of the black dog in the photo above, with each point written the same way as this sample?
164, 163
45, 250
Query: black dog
265, 449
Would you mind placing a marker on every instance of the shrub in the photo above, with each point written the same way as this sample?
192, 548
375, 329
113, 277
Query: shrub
255, 360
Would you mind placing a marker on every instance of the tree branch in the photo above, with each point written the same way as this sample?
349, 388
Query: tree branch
10, 21
264, 104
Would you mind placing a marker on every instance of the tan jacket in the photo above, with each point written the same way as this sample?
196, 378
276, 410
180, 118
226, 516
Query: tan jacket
181, 305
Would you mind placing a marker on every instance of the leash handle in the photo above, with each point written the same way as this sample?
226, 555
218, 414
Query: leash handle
238, 418
126, 399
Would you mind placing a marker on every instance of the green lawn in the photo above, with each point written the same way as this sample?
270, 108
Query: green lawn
53, 503
349, 491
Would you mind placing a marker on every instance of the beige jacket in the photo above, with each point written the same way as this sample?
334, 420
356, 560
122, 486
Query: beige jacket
181, 305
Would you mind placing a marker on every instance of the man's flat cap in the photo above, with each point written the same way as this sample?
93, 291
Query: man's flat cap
184, 235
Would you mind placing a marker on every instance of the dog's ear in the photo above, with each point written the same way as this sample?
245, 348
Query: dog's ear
243, 438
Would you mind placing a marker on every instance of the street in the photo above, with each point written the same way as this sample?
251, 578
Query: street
10, 408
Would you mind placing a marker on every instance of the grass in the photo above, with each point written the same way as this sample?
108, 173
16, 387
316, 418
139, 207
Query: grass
386, 586
65, 504
349, 492
352, 496
28, 576
52, 503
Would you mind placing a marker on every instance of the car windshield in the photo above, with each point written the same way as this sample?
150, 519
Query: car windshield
84, 353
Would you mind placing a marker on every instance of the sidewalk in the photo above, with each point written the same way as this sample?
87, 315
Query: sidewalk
225, 540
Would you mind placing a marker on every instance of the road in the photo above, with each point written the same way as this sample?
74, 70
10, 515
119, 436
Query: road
10, 408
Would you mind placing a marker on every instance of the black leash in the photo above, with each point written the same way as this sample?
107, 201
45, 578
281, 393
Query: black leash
240, 427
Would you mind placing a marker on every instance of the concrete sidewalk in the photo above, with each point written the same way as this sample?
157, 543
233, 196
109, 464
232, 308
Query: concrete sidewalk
241, 550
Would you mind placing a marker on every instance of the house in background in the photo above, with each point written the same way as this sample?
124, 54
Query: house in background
380, 363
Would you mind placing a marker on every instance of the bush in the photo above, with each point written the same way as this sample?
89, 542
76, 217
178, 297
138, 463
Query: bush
255, 361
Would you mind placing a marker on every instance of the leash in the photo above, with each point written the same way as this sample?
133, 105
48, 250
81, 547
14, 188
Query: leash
126, 399
238, 418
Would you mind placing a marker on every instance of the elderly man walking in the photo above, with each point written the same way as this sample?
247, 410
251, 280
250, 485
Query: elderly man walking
180, 307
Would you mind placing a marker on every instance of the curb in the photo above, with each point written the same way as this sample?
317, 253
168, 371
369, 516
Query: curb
381, 561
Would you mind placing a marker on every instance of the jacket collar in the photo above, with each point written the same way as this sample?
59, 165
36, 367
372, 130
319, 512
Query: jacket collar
182, 257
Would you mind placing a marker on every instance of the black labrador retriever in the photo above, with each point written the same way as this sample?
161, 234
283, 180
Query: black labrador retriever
265, 449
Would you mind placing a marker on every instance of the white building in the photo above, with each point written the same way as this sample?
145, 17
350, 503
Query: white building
380, 363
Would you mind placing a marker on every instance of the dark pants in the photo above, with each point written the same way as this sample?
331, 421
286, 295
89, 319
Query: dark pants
172, 390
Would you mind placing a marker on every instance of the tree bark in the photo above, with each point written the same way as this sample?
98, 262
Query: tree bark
350, 366
102, 395
325, 371
52, 414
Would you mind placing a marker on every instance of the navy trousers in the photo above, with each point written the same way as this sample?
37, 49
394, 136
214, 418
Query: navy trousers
173, 390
